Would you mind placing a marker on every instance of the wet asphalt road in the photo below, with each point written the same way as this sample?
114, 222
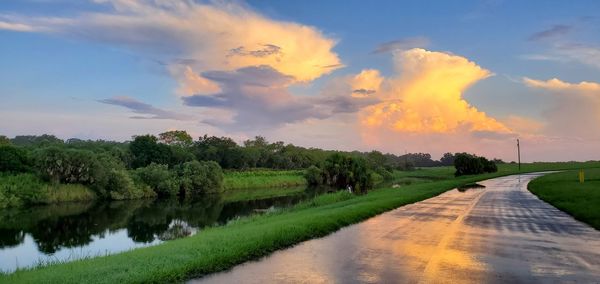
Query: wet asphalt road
500, 234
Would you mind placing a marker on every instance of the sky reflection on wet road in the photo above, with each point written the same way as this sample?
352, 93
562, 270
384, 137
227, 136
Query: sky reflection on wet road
501, 233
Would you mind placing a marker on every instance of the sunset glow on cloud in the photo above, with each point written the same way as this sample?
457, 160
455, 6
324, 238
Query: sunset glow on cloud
427, 96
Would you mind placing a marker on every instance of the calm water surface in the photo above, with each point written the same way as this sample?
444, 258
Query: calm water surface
69, 231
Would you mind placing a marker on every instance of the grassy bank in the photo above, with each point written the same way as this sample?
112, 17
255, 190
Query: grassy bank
23, 189
564, 192
262, 193
263, 179
219, 248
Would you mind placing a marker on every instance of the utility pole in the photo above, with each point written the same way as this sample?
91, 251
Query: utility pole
519, 153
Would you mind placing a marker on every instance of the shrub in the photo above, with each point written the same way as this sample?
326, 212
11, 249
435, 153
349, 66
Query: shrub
68, 165
159, 178
200, 177
468, 164
120, 186
314, 176
13, 159
341, 171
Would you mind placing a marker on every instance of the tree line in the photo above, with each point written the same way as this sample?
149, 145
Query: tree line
173, 163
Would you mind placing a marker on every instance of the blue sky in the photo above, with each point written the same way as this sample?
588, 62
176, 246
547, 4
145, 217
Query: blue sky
114, 68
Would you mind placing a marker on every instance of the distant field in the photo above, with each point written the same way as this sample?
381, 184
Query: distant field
564, 191
263, 178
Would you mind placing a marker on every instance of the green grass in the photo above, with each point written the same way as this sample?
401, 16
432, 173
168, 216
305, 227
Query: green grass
260, 193
263, 179
564, 192
219, 248
20, 189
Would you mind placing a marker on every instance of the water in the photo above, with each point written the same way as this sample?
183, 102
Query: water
69, 231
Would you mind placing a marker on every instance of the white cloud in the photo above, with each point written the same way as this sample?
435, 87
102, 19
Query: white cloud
215, 36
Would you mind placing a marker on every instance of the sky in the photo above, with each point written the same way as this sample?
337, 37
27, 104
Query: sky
393, 76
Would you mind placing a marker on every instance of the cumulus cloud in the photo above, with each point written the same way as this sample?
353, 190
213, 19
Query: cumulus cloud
574, 109
402, 44
259, 98
210, 36
553, 32
148, 110
427, 96
422, 109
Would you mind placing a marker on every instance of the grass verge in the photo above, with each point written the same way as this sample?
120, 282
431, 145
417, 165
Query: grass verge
263, 179
563, 191
220, 248
23, 189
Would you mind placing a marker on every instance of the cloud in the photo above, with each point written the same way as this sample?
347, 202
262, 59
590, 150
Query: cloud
191, 83
366, 83
574, 108
144, 108
523, 125
266, 50
15, 27
427, 96
553, 32
218, 36
402, 44
559, 85
583, 53
259, 98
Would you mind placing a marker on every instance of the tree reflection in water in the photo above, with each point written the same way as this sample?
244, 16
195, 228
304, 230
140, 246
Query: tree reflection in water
73, 225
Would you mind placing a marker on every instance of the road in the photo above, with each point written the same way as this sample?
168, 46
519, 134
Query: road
499, 234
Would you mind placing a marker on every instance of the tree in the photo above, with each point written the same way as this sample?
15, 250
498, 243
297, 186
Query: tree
447, 159
314, 176
13, 159
159, 178
4, 140
468, 164
200, 177
145, 150
222, 150
341, 171
176, 137
37, 141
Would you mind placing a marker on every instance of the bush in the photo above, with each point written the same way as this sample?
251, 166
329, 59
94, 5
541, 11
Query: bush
159, 178
314, 176
200, 177
468, 164
68, 165
27, 188
341, 171
120, 186
13, 159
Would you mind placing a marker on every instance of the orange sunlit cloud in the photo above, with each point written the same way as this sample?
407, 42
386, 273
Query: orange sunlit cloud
427, 96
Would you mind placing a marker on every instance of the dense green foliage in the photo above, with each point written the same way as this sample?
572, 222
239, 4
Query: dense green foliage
468, 164
565, 192
110, 168
13, 159
341, 172
27, 188
220, 248
200, 177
